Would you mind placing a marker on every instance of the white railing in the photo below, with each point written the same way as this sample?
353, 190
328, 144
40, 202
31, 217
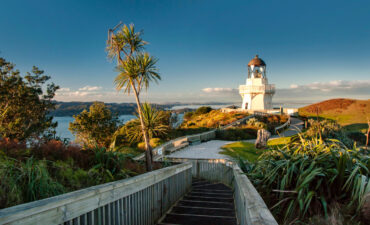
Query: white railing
139, 200
286, 124
179, 143
182, 142
269, 88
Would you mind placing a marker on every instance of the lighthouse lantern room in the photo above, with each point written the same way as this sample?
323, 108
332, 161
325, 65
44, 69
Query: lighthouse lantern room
257, 93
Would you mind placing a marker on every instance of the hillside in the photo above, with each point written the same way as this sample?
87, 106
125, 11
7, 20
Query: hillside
74, 108
350, 113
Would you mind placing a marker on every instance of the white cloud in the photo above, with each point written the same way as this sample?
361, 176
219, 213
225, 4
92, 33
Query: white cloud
219, 90
335, 85
294, 86
90, 88
358, 89
64, 89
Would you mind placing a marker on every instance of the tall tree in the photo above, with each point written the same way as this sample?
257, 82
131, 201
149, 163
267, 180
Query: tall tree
25, 103
94, 127
136, 70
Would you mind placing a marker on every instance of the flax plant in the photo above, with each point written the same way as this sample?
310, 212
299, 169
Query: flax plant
305, 177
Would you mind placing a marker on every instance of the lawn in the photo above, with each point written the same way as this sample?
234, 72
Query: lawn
247, 150
243, 150
279, 142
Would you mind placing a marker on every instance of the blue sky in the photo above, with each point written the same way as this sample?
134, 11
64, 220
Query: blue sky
314, 50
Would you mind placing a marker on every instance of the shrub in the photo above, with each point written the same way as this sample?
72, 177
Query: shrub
56, 150
203, 110
154, 142
236, 134
326, 129
25, 182
357, 136
188, 115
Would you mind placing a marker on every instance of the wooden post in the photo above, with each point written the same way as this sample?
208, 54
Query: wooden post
368, 132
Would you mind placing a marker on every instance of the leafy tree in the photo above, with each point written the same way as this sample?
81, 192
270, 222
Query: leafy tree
25, 103
96, 126
136, 70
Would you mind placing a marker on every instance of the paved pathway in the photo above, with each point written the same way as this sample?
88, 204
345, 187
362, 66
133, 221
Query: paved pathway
211, 149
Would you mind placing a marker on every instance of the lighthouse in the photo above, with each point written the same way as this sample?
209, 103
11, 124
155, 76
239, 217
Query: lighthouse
257, 92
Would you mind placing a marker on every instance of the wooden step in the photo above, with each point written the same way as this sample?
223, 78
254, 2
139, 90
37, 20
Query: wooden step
206, 194
209, 199
212, 187
203, 211
191, 219
212, 191
205, 204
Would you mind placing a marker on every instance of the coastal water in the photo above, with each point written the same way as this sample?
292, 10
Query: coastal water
63, 124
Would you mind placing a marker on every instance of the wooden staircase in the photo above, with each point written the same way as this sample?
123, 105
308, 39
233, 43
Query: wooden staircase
206, 204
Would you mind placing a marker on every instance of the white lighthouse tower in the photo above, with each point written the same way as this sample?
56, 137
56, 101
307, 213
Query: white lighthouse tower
257, 93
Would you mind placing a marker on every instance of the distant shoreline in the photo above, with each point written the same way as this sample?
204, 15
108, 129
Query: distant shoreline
68, 109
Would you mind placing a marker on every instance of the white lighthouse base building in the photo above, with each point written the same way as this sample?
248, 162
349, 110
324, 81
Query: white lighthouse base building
257, 92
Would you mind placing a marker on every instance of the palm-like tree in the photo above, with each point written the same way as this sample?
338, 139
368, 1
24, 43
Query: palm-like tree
153, 120
136, 70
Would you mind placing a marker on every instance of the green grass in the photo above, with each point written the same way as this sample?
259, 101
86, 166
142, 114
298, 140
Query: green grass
360, 127
279, 142
247, 150
243, 150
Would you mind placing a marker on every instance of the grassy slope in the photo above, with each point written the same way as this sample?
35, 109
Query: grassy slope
248, 151
350, 113
213, 119
244, 150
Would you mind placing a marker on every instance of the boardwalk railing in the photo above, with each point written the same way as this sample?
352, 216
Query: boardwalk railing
139, 200
181, 142
178, 143
249, 205
286, 124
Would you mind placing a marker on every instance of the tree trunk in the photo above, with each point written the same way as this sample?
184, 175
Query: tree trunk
148, 149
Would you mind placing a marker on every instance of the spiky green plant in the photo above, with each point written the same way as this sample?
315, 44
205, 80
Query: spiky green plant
303, 178
153, 120
28, 181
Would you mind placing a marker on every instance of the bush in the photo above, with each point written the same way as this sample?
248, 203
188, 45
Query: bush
154, 142
56, 150
25, 182
52, 168
357, 136
327, 129
236, 134
203, 110
188, 115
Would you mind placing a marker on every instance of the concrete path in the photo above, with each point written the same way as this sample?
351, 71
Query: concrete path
205, 150
211, 149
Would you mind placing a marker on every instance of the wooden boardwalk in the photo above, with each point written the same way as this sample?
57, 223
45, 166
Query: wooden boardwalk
206, 204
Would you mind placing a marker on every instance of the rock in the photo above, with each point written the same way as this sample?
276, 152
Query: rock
365, 210
262, 138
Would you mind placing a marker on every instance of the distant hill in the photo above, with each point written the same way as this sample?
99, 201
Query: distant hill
347, 112
74, 108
